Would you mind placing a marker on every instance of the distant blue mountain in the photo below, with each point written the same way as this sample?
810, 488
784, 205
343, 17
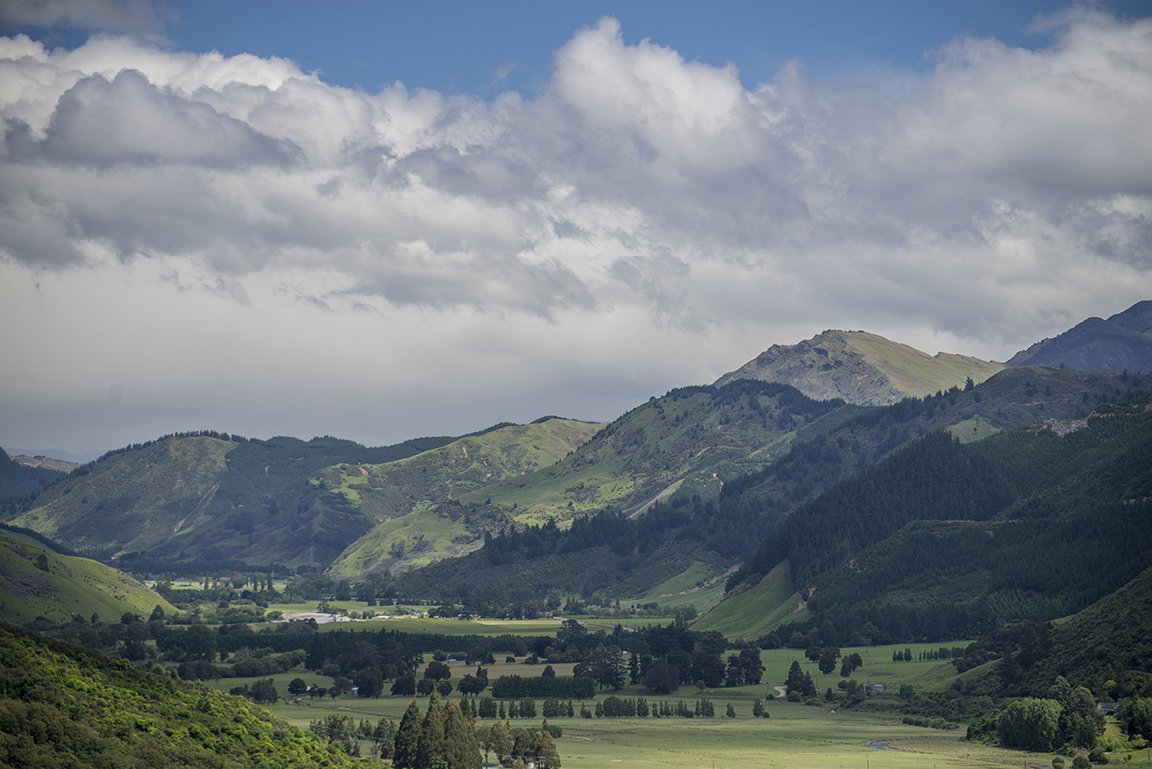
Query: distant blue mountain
1123, 342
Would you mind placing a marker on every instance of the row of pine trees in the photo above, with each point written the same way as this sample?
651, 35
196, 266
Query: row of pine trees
446, 737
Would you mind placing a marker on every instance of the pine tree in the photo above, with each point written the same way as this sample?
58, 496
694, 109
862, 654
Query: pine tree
407, 738
463, 748
795, 680
432, 745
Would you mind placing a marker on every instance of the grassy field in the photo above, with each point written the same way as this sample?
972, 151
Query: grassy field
773, 600
795, 736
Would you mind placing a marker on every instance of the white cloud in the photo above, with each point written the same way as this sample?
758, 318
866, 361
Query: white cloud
646, 222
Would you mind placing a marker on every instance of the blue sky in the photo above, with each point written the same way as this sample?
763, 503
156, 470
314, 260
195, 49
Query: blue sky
385, 220
481, 48
456, 47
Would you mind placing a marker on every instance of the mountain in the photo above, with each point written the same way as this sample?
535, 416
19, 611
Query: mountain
36, 582
140, 497
861, 368
64, 705
312, 520
46, 463
944, 540
20, 477
688, 441
1123, 342
679, 545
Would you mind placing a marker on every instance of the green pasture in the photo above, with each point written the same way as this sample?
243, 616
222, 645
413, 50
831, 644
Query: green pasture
700, 586
773, 600
878, 667
793, 737
406, 619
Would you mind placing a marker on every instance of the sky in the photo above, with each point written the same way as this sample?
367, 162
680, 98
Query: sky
385, 220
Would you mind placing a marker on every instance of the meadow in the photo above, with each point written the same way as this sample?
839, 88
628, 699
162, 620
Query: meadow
794, 736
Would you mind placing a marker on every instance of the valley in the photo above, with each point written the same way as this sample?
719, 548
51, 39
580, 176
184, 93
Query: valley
799, 510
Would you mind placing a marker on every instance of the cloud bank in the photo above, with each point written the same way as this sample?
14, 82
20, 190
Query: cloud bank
645, 222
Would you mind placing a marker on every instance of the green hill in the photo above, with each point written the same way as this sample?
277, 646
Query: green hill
861, 368
195, 497
689, 441
132, 499
62, 705
36, 582
685, 445
404, 496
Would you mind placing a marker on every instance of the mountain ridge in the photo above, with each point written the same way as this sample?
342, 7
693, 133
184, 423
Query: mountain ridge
1123, 342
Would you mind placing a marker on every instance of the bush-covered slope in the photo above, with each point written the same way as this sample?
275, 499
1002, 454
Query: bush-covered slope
62, 705
1109, 641
36, 582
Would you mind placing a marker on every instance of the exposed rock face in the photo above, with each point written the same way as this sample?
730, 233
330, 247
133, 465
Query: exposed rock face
861, 368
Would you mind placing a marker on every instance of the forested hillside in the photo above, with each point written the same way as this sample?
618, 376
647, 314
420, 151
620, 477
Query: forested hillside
943, 540
62, 705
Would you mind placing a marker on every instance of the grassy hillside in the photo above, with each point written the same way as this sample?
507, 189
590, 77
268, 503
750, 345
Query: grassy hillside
772, 601
130, 500
36, 583
862, 368
198, 498
62, 705
693, 437
404, 495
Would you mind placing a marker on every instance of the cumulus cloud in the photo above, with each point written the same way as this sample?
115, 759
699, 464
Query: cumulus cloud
1001, 196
